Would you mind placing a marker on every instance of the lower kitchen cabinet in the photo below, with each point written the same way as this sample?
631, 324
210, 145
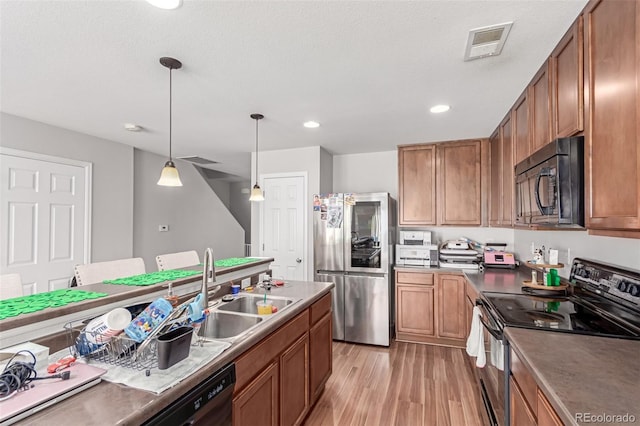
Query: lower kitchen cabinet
294, 382
279, 379
546, 414
430, 308
320, 355
521, 414
258, 404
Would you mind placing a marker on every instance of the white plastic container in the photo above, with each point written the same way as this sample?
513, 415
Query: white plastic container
102, 329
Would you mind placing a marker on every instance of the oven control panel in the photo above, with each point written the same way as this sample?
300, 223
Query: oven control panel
607, 280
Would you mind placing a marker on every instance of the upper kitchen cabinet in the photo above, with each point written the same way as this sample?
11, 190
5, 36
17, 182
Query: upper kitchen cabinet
501, 176
459, 183
612, 107
520, 127
540, 104
417, 181
567, 77
440, 183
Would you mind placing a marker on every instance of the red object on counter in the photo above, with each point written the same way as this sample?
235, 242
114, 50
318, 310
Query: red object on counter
61, 364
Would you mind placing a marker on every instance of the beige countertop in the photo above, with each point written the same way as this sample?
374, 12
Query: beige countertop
579, 374
109, 404
48, 321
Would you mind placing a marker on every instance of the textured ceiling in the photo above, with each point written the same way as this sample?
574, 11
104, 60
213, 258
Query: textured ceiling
367, 71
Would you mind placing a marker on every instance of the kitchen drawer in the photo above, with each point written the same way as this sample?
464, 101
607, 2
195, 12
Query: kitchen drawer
320, 308
526, 383
426, 278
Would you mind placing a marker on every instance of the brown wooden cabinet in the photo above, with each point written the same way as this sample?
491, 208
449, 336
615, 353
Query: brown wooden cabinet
258, 403
521, 413
441, 183
520, 127
612, 107
501, 179
546, 414
320, 355
294, 382
459, 183
279, 379
567, 77
540, 108
452, 306
431, 308
417, 185
495, 178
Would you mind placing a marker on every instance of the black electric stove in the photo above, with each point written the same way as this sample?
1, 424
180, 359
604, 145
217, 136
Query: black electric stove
603, 300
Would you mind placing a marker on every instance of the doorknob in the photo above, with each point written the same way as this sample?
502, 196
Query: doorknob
299, 260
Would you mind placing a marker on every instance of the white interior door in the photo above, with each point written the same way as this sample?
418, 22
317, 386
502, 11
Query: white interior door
283, 225
44, 218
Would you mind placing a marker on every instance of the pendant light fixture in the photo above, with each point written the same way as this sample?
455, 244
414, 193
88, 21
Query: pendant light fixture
169, 175
256, 192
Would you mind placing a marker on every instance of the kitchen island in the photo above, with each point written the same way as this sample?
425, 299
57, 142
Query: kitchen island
109, 404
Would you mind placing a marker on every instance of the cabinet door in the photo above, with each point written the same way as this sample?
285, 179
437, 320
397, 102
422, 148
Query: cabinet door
540, 104
521, 414
294, 382
320, 356
417, 180
546, 414
567, 80
459, 183
451, 306
521, 134
508, 180
414, 310
612, 99
258, 404
495, 179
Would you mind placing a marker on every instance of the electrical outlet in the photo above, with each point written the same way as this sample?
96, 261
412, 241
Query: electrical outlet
163, 228
532, 249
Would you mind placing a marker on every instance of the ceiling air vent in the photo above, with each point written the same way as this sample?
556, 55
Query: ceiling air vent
486, 41
198, 160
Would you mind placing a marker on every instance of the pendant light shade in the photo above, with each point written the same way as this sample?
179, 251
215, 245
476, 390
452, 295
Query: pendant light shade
256, 192
169, 175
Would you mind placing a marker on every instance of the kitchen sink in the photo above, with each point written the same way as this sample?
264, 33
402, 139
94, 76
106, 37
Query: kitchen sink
246, 304
220, 325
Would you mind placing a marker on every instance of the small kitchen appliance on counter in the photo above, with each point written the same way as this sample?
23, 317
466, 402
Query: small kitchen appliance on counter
458, 254
496, 256
415, 249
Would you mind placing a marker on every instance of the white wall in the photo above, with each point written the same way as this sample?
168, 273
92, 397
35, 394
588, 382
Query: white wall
370, 172
197, 218
112, 198
619, 251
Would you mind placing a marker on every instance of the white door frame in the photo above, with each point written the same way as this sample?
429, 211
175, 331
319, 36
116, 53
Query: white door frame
88, 172
305, 220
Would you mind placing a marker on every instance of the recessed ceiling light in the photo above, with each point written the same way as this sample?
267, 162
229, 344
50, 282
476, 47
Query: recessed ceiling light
166, 4
311, 124
132, 127
436, 109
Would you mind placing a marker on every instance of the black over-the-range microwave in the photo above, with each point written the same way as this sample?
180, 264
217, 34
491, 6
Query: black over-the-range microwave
550, 185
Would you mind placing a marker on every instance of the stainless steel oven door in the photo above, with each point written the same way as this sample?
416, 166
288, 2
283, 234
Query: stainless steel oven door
494, 383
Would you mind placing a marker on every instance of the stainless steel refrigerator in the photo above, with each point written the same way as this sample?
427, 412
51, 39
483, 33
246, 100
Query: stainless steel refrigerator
353, 247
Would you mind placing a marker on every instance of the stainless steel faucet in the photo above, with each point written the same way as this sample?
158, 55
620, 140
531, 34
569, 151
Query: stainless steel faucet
208, 276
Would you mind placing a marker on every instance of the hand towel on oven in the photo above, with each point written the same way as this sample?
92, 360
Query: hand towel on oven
475, 341
497, 353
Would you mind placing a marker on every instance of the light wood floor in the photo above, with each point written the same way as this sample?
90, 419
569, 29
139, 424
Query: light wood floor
406, 384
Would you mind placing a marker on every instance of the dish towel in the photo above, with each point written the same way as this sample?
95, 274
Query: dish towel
497, 353
475, 341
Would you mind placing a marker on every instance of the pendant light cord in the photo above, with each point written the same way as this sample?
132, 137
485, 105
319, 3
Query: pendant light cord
256, 151
170, 117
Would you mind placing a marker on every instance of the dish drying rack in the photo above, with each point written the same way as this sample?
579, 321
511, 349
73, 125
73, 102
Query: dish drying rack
121, 350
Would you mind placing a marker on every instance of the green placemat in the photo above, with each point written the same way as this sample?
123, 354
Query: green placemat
153, 277
37, 302
233, 261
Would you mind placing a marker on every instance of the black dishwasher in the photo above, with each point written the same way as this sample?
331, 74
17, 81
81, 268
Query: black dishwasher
208, 403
